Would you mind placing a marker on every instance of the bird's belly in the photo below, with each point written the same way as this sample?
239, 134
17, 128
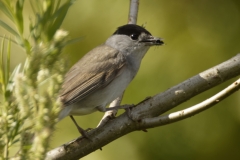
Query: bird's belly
103, 96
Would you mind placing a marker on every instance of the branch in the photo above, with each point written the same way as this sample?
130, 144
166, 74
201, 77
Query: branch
191, 111
149, 108
133, 12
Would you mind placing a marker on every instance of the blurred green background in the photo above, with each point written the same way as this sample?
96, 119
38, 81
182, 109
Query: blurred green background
199, 34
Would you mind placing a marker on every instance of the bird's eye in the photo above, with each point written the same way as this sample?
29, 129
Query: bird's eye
134, 36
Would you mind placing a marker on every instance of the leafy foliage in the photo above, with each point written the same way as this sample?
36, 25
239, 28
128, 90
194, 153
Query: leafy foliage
29, 106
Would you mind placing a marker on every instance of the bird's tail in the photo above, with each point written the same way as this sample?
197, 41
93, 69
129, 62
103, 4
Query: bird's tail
64, 112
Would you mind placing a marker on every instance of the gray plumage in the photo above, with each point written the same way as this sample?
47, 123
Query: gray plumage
104, 73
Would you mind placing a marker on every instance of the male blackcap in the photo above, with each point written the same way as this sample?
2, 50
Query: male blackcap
104, 73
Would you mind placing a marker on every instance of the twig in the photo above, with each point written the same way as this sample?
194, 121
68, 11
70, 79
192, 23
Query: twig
149, 108
191, 111
133, 12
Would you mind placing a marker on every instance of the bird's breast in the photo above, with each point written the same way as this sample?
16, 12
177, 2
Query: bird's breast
104, 95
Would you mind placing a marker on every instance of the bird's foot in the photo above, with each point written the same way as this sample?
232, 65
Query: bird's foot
80, 130
84, 132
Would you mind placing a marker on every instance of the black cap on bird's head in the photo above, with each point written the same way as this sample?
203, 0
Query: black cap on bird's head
129, 29
134, 31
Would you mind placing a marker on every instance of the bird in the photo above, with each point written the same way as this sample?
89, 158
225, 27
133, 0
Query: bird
103, 74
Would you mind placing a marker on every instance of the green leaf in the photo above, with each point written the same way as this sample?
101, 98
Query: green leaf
9, 39
15, 72
58, 17
2, 68
15, 141
19, 15
8, 60
58, 4
13, 75
6, 11
8, 28
50, 6
47, 13
5, 65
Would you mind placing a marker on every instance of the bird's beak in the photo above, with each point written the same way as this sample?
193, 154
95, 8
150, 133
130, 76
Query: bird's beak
151, 41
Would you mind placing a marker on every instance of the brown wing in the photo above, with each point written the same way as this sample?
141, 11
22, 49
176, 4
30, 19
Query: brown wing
95, 70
